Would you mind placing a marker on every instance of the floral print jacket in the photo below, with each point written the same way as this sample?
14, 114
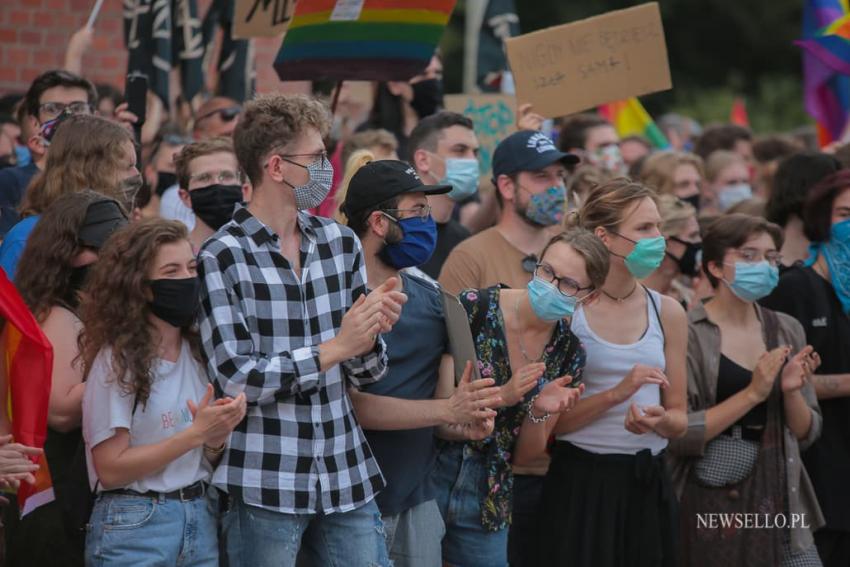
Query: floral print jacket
564, 354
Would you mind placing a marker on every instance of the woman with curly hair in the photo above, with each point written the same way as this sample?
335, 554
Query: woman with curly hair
86, 152
150, 447
54, 264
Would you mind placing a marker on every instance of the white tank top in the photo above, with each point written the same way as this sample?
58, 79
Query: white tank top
607, 365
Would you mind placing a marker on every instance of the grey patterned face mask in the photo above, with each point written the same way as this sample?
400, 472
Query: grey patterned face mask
312, 193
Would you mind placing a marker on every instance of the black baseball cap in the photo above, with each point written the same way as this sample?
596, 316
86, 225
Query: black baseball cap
379, 181
528, 150
102, 219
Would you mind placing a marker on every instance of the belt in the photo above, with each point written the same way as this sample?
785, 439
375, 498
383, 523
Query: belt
748, 432
185, 494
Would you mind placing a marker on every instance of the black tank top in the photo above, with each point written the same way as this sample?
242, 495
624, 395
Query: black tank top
732, 379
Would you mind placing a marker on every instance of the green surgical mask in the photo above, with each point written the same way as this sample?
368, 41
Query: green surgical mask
646, 256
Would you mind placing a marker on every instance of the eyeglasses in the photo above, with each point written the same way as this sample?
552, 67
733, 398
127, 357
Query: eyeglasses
567, 286
752, 256
420, 211
227, 114
176, 140
51, 110
224, 177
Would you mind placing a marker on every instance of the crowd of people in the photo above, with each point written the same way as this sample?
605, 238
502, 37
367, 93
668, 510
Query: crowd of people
252, 362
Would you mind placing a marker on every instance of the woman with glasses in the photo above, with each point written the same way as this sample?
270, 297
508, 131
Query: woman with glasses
751, 410
523, 342
817, 295
606, 499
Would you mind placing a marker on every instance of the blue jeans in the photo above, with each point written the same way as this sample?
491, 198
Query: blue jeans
149, 531
255, 537
459, 477
414, 536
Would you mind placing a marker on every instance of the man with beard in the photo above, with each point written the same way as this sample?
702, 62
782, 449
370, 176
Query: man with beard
529, 175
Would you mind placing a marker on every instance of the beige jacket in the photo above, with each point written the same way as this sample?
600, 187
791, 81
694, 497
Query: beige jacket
703, 368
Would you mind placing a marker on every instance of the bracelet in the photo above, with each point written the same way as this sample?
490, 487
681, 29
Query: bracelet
531, 416
215, 450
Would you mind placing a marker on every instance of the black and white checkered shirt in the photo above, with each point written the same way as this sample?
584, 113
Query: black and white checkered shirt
300, 448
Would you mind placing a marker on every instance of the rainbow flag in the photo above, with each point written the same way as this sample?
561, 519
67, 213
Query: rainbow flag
630, 118
27, 359
369, 40
826, 66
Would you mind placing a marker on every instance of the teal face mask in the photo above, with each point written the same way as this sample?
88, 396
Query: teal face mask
754, 281
548, 303
462, 174
646, 256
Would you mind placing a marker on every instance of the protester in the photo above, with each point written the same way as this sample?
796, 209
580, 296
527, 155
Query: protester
675, 173
634, 149
818, 296
151, 429
108, 99
285, 319
529, 175
768, 152
522, 342
680, 229
595, 140
216, 117
583, 179
400, 105
85, 152
679, 130
728, 182
211, 185
726, 137
356, 161
159, 171
387, 206
606, 498
54, 268
49, 95
749, 416
444, 149
794, 177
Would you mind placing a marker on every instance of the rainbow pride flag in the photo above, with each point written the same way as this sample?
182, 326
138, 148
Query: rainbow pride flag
630, 118
26, 368
826, 66
368, 40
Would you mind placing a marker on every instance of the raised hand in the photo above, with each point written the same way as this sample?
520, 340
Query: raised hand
522, 382
213, 422
478, 430
639, 376
765, 372
799, 369
556, 397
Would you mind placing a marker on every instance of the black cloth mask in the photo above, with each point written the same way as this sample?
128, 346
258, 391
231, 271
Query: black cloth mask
427, 97
214, 204
176, 301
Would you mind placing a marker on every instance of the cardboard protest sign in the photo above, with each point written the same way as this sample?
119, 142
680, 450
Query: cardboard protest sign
580, 65
494, 117
262, 18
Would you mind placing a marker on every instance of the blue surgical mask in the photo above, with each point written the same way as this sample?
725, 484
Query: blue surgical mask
754, 281
731, 195
416, 246
547, 208
462, 174
646, 256
548, 303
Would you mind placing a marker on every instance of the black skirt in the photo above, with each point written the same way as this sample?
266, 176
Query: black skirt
607, 510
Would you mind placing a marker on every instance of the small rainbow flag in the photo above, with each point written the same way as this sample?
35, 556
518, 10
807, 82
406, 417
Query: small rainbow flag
630, 118
367, 40
27, 358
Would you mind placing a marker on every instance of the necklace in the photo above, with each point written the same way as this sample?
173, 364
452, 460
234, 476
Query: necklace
522, 350
621, 299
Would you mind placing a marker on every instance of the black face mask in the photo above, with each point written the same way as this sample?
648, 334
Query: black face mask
214, 204
689, 262
164, 180
427, 97
176, 301
693, 200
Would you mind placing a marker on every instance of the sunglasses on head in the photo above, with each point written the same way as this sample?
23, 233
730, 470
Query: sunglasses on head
529, 263
226, 114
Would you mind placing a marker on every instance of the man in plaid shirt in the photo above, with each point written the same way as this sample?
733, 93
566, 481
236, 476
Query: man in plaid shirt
286, 320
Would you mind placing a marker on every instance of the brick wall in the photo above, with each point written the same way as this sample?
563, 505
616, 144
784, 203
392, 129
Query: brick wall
35, 33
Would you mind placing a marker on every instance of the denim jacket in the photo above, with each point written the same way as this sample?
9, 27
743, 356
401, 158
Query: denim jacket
703, 369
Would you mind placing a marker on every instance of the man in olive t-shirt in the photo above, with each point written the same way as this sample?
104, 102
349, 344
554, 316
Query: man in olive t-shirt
529, 175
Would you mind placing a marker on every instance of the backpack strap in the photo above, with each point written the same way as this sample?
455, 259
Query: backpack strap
651, 300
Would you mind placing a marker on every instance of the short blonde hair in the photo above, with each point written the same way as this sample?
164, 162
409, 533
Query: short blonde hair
659, 170
183, 160
718, 161
674, 214
357, 160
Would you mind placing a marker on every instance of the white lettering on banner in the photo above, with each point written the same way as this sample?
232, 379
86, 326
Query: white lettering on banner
133, 9
192, 39
747, 521
347, 10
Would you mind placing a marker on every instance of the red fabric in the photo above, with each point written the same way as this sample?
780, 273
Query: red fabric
739, 115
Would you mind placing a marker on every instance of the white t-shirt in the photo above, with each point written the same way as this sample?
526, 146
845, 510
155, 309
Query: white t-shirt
107, 407
172, 208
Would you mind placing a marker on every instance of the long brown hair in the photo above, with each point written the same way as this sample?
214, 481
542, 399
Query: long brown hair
44, 272
85, 153
606, 204
115, 309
